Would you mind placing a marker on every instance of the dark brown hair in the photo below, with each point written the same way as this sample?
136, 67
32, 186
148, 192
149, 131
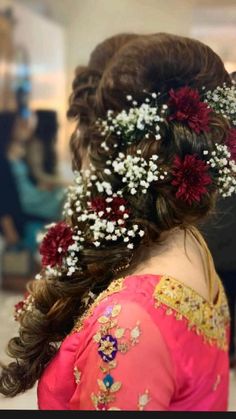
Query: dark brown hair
124, 64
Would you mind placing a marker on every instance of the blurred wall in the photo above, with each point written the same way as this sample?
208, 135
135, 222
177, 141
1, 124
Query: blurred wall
44, 42
94, 20
216, 26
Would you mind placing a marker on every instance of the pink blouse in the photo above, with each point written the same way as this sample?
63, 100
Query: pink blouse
147, 343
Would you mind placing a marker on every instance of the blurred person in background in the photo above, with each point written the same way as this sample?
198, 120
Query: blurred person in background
26, 208
41, 153
35, 199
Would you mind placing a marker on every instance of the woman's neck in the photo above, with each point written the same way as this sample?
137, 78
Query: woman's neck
180, 255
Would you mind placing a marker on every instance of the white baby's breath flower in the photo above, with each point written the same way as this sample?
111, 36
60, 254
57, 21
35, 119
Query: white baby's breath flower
137, 173
136, 122
223, 101
221, 160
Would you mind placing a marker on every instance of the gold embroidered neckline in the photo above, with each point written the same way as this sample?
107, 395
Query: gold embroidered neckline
219, 297
194, 291
207, 319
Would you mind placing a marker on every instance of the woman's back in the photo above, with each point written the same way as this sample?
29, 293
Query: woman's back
154, 344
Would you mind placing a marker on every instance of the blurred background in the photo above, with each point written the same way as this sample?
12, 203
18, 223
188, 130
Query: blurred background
41, 43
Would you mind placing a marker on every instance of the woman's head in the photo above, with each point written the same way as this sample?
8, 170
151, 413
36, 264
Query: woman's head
136, 65
112, 213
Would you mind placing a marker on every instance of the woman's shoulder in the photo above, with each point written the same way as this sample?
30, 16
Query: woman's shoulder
131, 290
162, 300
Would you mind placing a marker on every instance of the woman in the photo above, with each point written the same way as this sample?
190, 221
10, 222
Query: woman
128, 287
36, 200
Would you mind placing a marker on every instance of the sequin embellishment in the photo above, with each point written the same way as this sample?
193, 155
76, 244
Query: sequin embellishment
111, 339
206, 319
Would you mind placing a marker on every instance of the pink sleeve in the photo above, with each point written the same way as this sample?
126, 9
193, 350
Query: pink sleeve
125, 364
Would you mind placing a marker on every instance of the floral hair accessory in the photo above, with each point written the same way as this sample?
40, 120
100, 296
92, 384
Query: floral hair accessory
231, 142
190, 178
23, 306
112, 209
137, 122
58, 249
55, 244
223, 101
137, 173
224, 166
108, 220
101, 211
185, 106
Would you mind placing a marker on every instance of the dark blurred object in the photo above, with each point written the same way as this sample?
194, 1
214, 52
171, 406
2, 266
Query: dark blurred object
233, 76
220, 234
9, 199
46, 138
41, 153
9, 15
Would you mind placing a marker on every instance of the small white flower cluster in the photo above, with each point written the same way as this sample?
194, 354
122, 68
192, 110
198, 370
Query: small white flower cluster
72, 259
220, 159
223, 101
52, 272
136, 123
105, 229
78, 190
137, 173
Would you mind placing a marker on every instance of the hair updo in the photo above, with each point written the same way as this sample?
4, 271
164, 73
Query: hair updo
133, 65
126, 64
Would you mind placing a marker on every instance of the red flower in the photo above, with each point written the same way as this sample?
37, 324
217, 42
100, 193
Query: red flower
190, 178
186, 107
231, 142
118, 207
19, 307
55, 244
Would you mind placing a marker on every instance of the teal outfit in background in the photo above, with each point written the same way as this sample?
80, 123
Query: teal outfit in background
34, 201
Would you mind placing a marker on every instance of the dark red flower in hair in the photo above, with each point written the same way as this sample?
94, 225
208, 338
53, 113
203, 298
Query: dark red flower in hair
186, 107
191, 178
231, 142
113, 210
20, 306
55, 244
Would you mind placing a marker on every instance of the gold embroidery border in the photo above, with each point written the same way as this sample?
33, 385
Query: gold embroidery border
218, 311
116, 286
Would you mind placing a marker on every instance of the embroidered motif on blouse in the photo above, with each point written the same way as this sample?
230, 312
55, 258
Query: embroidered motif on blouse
111, 339
217, 382
208, 320
143, 400
115, 286
77, 375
